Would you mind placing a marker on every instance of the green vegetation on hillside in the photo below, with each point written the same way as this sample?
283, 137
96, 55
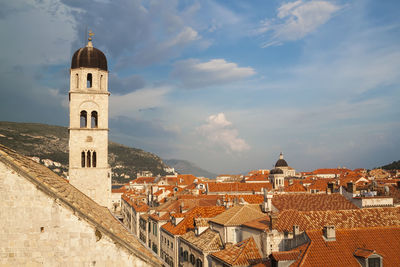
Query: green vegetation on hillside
395, 165
51, 142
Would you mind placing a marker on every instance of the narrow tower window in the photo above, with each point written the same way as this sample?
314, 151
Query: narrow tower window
94, 120
83, 159
77, 80
101, 82
88, 156
83, 119
94, 159
89, 81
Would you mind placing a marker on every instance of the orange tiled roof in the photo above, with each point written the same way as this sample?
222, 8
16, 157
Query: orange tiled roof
308, 202
259, 223
258, 177
341, 219
238, 187
244, 253
140, 206
286, 255
142, 180
384, 241
238, 215
122, 189
295, 187
208, 241
188, 222
251, 199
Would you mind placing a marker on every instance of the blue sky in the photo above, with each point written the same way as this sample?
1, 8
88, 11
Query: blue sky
227, 85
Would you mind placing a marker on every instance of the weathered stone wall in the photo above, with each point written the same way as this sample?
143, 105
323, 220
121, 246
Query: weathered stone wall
37, 230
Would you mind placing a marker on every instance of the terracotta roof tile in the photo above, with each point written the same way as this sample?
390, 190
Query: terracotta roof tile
208, 241
238, 215
308, 202
259, 223
244, 253
286, 255
342, 219
238, 187
384, 241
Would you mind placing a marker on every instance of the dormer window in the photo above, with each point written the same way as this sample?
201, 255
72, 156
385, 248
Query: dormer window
368, 257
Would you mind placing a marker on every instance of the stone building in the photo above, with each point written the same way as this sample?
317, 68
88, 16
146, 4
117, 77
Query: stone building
45, 221
282, 164
88, 130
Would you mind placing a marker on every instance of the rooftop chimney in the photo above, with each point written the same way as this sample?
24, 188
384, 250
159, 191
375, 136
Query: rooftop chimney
329, 233
267, 203
272, 220
296, 230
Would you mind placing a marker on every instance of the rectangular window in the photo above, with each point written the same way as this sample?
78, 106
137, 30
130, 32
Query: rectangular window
155, 229
155, 249
374, 262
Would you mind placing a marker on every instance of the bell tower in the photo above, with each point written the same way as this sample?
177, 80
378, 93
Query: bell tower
88, 124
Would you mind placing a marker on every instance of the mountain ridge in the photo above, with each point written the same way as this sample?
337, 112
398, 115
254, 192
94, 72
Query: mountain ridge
187, 167
48, 145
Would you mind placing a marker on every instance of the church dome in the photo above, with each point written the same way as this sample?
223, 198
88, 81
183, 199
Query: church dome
276, 171
89, 57
281, 162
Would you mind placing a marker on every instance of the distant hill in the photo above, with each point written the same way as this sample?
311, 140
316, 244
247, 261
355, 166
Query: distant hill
50, 144
395, 165
186, 167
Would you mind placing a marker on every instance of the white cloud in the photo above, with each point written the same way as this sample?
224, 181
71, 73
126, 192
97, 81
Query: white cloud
194, 73
297, 19
128, 105
219, 131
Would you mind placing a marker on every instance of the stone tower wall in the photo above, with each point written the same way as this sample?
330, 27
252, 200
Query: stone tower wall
94, 181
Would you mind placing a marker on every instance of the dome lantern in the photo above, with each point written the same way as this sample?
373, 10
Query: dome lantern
89, 57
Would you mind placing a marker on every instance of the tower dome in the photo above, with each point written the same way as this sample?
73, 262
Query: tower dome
281, 162
276, 171
89, 57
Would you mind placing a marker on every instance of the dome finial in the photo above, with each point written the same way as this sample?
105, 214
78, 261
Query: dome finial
90, 39
281, 156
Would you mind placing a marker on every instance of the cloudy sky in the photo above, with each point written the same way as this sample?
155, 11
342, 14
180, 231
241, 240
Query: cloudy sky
227, 85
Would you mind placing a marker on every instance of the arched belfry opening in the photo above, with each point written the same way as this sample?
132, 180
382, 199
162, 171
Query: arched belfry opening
89, 80
83, 156
94, 159
94, 120
88, 160
83, 119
